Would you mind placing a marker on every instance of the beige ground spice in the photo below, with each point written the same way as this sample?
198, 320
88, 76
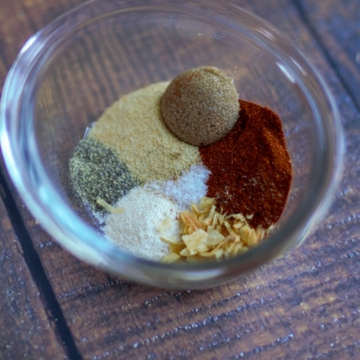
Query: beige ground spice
133, 127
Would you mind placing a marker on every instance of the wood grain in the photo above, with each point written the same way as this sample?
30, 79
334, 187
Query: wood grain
304, 305
339, 42
26, 331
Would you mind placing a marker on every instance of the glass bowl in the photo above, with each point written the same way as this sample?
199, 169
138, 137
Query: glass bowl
69, 72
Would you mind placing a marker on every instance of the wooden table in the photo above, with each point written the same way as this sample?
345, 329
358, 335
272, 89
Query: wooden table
304, 305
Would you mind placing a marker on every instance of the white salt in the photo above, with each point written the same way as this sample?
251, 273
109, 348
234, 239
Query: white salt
136, 229
187, 189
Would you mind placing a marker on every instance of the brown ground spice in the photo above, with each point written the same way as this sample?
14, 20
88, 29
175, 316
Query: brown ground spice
200, 105
250, 167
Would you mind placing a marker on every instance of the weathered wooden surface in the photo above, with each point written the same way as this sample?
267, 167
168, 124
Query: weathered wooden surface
27, 330
304, 305
336, 27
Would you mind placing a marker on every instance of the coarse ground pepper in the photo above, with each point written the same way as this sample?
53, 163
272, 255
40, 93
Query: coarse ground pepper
97, 172
250, 167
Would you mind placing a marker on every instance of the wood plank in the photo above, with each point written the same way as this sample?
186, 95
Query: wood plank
301, 306
26, 331
21, 19
337, 29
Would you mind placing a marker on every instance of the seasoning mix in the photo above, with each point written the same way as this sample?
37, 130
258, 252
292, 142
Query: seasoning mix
161, 197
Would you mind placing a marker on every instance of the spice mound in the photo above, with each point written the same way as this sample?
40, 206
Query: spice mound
133, 127
162, 198
97, 172
250, 167
200, 105
209, 234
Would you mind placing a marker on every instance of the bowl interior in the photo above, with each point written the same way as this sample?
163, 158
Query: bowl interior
117, 54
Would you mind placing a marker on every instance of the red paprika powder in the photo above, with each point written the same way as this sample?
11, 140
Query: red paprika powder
250, 167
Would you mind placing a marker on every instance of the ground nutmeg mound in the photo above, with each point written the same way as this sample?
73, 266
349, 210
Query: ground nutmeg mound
200, 105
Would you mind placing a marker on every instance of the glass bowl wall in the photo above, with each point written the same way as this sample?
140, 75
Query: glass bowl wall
68, 73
